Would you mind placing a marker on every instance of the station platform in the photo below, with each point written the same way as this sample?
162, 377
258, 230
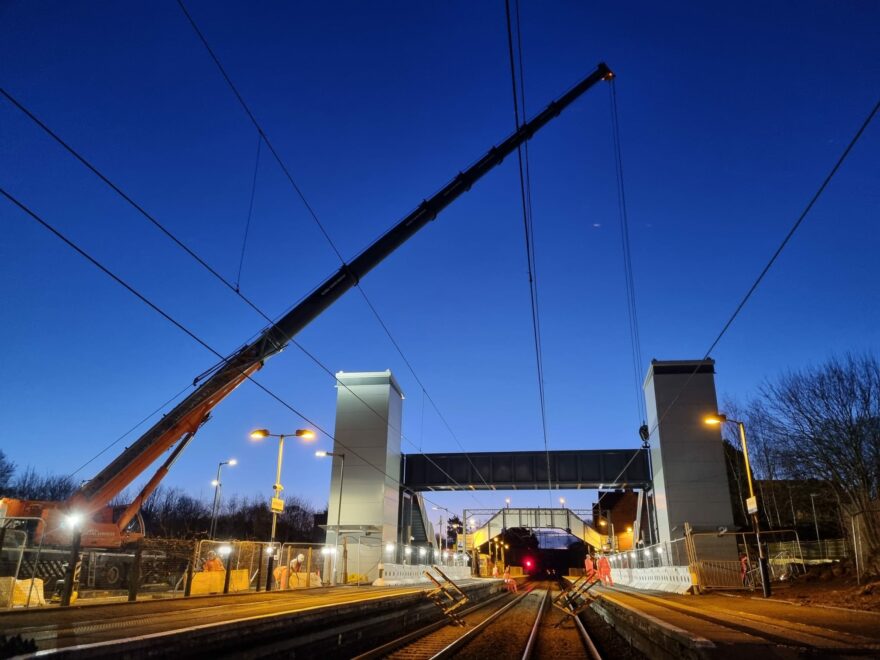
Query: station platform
233, 624
719, 625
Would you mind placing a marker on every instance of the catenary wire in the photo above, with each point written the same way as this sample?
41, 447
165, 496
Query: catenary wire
128, 287
202, 262
250, 213
825, 182
314, 216
525, 196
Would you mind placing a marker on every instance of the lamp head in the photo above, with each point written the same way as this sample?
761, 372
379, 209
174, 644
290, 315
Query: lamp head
320, 453
232, 461
715, 420
259, 434
306, 434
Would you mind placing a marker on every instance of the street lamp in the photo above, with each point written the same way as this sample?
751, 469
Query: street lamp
321, 454
562, 501
752, 502
277, 504
217, 484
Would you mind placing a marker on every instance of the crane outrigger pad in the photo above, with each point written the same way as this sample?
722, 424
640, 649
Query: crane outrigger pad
447, 596
576, 598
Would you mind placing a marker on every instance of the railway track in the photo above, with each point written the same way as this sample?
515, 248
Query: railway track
510, 625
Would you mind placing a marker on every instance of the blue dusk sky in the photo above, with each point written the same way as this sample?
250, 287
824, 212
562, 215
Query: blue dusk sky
730, 115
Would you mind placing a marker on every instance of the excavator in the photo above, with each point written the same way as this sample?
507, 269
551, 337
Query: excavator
88, 515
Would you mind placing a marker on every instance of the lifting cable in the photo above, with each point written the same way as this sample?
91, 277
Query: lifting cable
314, 215
631, 310
526, 201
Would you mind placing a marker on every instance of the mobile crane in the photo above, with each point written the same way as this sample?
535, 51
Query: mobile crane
88, 512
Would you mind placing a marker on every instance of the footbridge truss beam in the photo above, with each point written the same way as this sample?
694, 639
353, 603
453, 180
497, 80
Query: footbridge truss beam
527, 470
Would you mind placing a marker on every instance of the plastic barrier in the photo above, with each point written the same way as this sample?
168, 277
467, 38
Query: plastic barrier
20, 592
211, 582
401, 574
675, 579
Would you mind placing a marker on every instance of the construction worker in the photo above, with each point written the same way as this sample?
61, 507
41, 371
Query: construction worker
589, 568
213, 563
605, 571
282, 576
744, 569
296, 565
495, 570
509, 582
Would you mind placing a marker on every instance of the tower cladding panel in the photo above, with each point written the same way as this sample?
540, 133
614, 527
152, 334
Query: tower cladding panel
690, 476
368, 421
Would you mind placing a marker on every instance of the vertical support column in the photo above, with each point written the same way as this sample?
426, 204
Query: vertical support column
687, 456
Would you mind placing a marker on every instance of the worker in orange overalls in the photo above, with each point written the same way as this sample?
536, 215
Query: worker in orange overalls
213, 563
605, 571
589, 568
509, 582
282, 576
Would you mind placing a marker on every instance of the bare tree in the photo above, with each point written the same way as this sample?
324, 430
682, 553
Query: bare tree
7, 469
826, 420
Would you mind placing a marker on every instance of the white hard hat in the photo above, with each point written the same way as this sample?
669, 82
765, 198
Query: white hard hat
300, 557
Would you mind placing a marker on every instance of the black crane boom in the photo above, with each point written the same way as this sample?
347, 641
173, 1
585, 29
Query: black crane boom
189, 414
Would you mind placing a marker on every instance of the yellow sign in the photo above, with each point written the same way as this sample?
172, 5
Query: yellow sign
277, 505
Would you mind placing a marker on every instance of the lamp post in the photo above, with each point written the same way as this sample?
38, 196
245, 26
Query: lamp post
320, 454
813, 497
277, 504
217, 484
752, 502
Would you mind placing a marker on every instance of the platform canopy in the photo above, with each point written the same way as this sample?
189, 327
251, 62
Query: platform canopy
523, 470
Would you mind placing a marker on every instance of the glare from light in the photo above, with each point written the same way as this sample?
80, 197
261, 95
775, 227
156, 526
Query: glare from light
659, 551
224, 550
407, 550
214, 482
422, 552
233, 461
328, 550
320, 453
259, 434
603, 523
74, 520
389, 547
714, 420
305, 434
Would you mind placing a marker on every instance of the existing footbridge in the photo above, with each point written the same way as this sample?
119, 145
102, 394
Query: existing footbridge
534, 518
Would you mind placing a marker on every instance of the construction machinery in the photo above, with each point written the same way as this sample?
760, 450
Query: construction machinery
86, 517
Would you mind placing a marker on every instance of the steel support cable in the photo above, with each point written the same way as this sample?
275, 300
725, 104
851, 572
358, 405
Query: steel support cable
305, 202
128, 287
533, 296
140, 209
815, 198
632, 310
250, 213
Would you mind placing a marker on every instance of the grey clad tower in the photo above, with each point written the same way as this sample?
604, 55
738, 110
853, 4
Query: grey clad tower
690, 475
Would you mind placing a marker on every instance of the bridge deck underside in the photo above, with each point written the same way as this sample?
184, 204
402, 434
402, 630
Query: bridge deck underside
596, 468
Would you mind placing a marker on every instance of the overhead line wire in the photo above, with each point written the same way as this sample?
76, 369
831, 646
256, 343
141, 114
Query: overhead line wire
311, 211
167, 316
140, 209
530, 254
250, 213
815, 197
